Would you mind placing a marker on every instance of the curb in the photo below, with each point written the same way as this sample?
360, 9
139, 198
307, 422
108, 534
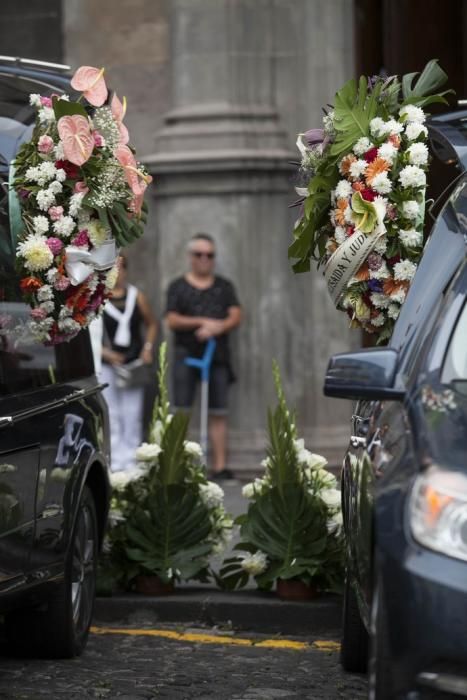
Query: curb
246, 610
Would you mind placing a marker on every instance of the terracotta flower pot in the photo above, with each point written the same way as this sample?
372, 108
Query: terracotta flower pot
294, 589
152, 585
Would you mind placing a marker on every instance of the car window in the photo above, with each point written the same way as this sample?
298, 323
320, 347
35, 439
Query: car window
455, 363
25, 364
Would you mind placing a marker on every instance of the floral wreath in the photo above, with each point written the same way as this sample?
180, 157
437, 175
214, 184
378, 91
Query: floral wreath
76, 196
363, 205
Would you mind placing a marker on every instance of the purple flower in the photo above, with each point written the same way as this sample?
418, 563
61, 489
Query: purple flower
375, 285
82, 239
55, 245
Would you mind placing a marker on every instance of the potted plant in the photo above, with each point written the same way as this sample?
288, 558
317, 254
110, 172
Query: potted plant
291, 535
167, 517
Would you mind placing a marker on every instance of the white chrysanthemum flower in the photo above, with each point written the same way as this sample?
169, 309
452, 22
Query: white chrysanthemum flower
35, 100
358, 168
76, 202
377, 126
48, 170
254, 564
348, 215
411, 113
378, 320
381, 273
45, 199
418, 154
392, 128
411, 238
45, 293
404, 270
380, 301
120, 479
64, 227
331, 497
193, 449
47, 306
51, 275
394, 311
343, 189
147, 452
65, 311
388, 152
55, 187
60, 175
381, 183
211, 494
265, 462
328, 122
362, 146
339, 234
32, 174
414, 129
381, 245
412, 176
335, 523
411, 209
248, 491
41, 224
398, 295
36, 253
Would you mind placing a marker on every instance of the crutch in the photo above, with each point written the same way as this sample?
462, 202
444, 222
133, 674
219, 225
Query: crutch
204, 365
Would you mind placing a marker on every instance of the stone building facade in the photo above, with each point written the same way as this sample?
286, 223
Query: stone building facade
217, 91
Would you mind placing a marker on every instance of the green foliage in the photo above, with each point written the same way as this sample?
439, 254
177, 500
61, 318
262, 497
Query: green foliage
283, 464
64, 108
354, 109
424, 91
170, 537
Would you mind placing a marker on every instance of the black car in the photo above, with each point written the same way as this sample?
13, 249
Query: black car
404, 476
54, 447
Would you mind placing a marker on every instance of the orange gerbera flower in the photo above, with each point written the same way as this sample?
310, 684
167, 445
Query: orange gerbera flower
339, 213
358, 186
376, 167
363, 273
345, 164
391, 285
80, 318
30, 284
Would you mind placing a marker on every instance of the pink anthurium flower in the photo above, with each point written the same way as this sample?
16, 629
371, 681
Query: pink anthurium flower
118, 111
90, 81
137, 180
75, 133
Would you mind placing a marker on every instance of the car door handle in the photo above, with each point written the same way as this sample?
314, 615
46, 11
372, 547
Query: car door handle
356, 441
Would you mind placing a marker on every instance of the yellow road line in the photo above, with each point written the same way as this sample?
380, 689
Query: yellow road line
201, 638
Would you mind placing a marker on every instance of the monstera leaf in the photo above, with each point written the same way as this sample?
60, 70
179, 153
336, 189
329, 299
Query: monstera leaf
423, 91
354, 109
289, 525
169, 539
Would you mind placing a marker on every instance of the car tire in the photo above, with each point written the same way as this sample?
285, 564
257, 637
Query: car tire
354, 646
60, 628
380, 682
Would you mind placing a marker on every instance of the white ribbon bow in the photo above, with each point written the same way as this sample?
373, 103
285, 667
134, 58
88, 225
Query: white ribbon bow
81, 263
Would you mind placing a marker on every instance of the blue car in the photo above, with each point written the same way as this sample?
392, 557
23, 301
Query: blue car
404, 476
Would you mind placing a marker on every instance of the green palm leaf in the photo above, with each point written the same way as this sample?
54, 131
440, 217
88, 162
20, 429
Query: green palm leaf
354, 108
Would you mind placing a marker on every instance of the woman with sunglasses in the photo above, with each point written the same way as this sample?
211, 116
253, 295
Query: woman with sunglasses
203, 305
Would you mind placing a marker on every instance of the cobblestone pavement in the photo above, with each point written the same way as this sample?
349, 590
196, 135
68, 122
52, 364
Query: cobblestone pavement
141, 667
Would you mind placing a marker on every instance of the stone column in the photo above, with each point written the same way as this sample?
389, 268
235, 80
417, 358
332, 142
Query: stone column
222, 165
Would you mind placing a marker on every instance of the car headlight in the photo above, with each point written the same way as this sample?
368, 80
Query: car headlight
438, 512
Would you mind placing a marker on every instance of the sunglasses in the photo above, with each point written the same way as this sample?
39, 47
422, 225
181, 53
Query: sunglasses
200, 254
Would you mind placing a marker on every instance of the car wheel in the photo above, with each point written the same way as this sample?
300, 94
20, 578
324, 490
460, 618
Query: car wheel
60, 628
354, 647
380, 686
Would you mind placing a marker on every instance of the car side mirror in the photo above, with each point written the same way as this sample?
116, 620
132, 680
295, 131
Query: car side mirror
363, 374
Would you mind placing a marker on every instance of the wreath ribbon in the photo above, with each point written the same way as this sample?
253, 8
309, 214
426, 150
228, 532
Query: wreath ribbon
347, 259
